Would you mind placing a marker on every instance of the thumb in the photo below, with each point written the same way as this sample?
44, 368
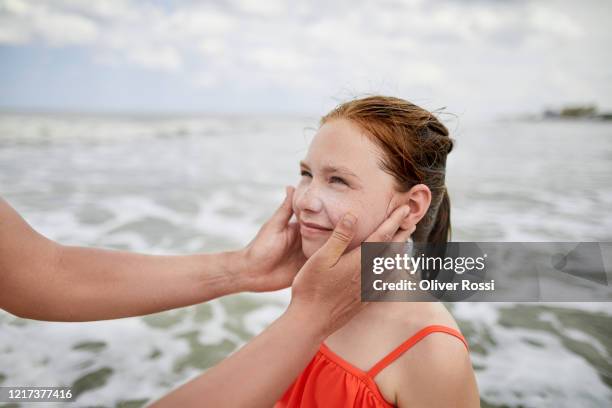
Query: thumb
283, 214
339, 240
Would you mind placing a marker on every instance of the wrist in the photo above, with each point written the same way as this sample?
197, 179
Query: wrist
247, 273
238, 268
222, 273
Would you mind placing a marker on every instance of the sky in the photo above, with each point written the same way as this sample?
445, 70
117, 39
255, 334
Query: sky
472, 57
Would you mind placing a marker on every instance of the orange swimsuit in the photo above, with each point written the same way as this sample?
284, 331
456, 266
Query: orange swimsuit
330, 381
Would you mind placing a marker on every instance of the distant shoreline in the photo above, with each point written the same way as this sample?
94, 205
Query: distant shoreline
573, 113
539, 118
577, 112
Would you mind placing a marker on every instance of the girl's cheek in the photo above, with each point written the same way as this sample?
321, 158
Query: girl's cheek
293, 206
341, 202
297, 194
336, 210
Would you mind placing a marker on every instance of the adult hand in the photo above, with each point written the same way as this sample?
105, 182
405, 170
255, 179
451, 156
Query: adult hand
325, 295
328, 287
272, 259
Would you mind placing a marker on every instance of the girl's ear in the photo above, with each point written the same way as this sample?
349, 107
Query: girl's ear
418, 199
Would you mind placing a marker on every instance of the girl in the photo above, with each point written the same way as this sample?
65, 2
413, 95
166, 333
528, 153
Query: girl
369, 157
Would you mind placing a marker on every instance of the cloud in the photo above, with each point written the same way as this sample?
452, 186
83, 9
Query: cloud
443, 51
22, 22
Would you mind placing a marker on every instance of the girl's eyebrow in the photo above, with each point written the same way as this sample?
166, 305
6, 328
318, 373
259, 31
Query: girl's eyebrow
338, 169
332, 169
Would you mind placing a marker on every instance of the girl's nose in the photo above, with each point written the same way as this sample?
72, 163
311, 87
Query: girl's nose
309, 200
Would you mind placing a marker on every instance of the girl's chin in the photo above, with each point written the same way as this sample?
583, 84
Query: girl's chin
309, 247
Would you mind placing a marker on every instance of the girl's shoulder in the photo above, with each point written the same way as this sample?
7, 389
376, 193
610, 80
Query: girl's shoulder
417, 356
425, 333
369, 343
435, 370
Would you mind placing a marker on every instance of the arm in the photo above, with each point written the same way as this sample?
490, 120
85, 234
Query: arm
41, 279
258, 373
325, 295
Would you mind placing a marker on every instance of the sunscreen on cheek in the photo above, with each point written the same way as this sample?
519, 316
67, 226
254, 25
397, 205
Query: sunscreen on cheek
335, 205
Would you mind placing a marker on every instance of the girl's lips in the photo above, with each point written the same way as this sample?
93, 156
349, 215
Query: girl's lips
308, 229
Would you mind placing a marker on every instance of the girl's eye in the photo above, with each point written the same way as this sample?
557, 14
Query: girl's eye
335, 179
305, 173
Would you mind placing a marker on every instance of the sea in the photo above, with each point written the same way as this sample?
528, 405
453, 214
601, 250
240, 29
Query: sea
180, 184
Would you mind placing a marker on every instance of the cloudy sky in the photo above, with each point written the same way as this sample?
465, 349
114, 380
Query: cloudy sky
476, 58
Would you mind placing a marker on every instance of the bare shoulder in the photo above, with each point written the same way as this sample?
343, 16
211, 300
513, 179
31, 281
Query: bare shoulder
436, 372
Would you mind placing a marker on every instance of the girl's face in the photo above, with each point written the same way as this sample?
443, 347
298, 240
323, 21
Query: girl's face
340, 174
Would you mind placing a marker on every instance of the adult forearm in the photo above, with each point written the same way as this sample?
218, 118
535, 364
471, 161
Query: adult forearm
109, 284
258, 373
41, 279
80, 284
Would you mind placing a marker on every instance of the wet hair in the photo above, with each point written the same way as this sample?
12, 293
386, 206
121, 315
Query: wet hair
415, 145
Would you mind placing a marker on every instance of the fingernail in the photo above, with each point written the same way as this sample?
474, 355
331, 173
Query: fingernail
349, 220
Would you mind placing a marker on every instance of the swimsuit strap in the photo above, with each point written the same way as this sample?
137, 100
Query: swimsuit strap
402, 348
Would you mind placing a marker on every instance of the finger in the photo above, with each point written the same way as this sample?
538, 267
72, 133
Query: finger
402, 235
339, 240
387, 230
294, 226
283, 214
